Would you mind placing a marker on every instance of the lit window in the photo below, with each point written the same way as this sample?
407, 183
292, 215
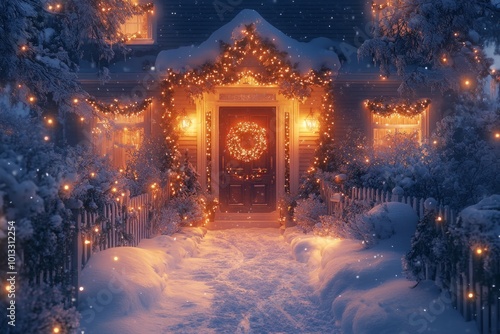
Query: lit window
138, 29
385, 127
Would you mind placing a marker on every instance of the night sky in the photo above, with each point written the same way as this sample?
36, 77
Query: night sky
192, 22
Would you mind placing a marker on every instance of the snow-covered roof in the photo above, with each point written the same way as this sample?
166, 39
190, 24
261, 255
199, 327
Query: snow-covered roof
314, 55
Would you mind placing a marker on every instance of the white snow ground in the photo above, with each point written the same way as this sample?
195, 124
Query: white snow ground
237, 281
257, 281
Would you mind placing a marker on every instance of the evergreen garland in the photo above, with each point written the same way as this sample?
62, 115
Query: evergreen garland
277, 70
115, 108
386, 107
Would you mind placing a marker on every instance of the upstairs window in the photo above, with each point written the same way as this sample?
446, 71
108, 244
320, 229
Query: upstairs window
138, 29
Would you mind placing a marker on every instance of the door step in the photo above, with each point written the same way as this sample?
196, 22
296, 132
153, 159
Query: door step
244, 220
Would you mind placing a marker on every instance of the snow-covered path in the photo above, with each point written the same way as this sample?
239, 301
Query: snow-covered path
250, 284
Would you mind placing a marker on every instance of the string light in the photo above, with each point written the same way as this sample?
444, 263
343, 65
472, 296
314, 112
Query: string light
116, 108
287, 152
277, 72
246, 141
208, 140
387, 107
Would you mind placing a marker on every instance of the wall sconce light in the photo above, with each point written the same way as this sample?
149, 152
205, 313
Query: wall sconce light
185, 123
311, 122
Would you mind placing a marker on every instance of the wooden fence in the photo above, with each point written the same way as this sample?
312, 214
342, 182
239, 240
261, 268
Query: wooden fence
472, 299
123, 223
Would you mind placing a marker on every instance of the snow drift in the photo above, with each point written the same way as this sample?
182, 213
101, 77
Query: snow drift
121, 281
363, 289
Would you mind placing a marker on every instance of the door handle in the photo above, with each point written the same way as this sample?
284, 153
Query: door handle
272, 160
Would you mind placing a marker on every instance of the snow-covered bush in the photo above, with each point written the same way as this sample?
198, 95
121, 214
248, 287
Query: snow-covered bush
190, 209
286, 206
347, 156
42, 309
477, 230
429, 247
308, 211
459, 167
404, 163
351, 223
148, 165
39, 186
167, 221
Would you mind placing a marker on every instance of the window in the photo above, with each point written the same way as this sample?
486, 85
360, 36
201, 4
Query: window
390, 118
138, 29
125, 137
384, 126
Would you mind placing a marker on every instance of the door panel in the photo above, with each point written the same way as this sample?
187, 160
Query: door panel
247, 180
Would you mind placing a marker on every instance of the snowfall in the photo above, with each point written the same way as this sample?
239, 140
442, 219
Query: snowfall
265, 280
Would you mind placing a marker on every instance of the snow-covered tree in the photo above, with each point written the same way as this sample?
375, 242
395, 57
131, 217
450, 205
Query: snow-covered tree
42, 42
467, 154
439, 43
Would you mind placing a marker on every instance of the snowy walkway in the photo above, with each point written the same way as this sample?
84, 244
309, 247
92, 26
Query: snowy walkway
254, 284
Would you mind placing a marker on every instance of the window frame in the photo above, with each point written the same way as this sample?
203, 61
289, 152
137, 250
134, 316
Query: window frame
151, 28
421, 127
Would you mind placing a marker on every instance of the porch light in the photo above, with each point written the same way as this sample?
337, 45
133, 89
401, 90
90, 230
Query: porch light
311, 122
185, 123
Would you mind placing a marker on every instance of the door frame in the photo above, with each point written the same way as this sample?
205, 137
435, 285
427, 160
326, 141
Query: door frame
248, 96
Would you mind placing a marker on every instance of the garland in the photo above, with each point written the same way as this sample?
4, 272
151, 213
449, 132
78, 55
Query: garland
132, 109
246, 141
382, 107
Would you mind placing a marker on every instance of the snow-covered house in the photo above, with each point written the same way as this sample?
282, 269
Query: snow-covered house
248, 103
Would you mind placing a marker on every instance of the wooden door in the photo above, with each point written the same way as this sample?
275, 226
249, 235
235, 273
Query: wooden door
247, 146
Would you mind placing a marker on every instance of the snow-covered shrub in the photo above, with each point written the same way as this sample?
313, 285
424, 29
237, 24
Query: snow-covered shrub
351, 223
167, 221
347, 156
402, 163
429, 247
190, 209
42, 309
308, 211
459, 167
149, 164
286, 205
478, 228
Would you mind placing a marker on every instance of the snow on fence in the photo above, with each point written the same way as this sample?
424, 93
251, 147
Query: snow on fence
473, 300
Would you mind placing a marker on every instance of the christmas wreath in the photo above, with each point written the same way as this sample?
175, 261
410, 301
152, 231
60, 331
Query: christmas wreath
246, 141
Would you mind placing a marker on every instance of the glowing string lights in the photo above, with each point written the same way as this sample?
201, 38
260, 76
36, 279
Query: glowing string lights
247, 141
116, 108
386, 108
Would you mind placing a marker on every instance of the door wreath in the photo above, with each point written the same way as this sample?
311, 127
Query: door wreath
246, 141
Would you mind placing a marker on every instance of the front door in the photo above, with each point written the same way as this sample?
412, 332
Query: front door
247, 145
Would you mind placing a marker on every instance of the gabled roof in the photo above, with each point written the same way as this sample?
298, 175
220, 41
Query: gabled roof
313, 55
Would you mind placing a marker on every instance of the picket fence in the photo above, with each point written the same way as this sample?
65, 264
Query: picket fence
473, 300
122, 223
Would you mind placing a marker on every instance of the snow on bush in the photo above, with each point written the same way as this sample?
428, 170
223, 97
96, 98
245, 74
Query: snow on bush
478, 227
364, 289
136, 281
308, 211
359, 222
167, 221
